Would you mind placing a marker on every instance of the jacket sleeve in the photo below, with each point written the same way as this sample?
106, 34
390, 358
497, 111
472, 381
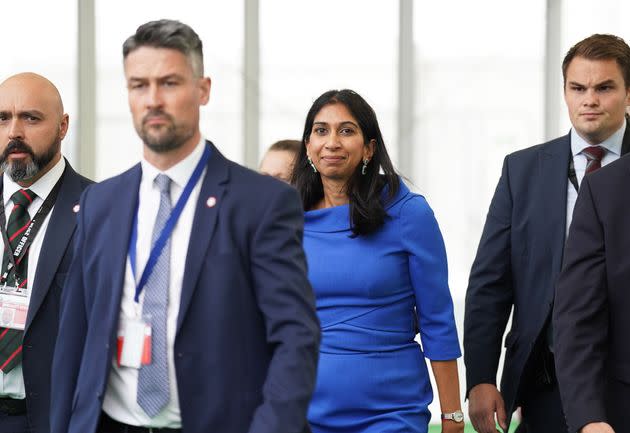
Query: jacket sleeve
580, 317
489, 296
286, 300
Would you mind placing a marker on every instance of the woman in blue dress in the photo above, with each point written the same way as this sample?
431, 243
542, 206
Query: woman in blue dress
378, 267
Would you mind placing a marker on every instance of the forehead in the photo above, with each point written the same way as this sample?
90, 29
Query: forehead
278, 157
581, 68
335, 113
151, 62
22, 95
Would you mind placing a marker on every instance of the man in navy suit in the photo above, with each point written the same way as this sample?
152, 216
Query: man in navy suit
187, 307
40, 193
521, 248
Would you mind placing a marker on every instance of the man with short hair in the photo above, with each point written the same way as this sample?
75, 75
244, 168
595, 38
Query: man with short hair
40, 194
279, 159
188, 307
522, 245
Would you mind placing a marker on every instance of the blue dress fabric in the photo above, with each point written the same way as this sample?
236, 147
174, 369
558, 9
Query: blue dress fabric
372, 375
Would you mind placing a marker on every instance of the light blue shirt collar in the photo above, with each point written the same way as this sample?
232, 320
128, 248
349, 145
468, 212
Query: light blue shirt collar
612, 144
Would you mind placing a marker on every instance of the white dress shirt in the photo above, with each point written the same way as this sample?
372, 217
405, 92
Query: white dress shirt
12, 383
120, 397
613, 151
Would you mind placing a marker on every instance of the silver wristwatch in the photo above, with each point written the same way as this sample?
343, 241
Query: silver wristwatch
457, 416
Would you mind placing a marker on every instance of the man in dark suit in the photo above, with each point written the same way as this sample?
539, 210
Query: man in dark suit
40, 193
592, 314
521, 248
187, 307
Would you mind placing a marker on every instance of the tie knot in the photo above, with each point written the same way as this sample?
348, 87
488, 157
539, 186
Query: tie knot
163, 182
23, 197
594, 153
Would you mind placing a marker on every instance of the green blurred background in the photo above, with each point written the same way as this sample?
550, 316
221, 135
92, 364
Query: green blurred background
436, 428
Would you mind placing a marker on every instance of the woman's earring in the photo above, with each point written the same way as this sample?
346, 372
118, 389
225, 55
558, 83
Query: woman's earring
310, 161
364, 168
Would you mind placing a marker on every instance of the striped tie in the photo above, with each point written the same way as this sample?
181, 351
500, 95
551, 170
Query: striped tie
594, 155
19, 220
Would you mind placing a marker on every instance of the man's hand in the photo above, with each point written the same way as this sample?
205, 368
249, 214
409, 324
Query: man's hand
597, 427
484, 400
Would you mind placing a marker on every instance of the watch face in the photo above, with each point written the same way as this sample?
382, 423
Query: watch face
458, 416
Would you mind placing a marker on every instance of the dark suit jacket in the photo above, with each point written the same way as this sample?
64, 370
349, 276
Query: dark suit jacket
592, 312
247, 337
42, 319
517, 264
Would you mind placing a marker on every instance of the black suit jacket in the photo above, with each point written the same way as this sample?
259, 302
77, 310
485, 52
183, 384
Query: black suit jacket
592, 313
517, 264
42, 319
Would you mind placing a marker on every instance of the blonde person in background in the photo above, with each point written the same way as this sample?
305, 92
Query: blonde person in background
279, 159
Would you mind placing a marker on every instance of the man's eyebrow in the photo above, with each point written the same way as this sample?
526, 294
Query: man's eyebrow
34, 113
162, 78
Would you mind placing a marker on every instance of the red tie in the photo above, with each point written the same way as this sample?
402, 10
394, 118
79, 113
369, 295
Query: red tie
594, 155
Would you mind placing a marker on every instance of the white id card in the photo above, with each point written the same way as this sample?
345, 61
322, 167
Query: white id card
132, 342
13, 307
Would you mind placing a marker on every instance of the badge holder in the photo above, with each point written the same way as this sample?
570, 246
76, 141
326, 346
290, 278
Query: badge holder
13, 307
134, 342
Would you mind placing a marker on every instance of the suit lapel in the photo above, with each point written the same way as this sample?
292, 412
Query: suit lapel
552, 194
206, 211
121, 222
61, 226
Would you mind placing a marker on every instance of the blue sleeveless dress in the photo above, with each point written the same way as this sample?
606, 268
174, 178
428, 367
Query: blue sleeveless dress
373, 293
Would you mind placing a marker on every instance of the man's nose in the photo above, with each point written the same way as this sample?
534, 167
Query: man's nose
16, 129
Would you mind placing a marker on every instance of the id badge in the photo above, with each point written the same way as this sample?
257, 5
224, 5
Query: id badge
13, 307
134, 343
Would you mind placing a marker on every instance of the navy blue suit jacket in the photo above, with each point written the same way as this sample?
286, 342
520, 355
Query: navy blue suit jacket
247, 336
592, 312
42, 319
517, 264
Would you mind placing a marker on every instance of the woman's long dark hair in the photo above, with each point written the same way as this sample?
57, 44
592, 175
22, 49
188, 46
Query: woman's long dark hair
367, 210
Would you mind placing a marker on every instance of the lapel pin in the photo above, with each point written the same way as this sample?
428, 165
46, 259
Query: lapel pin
76, 208
211, 201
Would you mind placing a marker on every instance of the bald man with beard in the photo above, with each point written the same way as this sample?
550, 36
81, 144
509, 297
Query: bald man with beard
40, 193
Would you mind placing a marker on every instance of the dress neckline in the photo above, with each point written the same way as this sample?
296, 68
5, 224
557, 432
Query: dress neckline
337, 218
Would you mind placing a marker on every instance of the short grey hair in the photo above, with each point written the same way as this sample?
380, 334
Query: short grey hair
168, 34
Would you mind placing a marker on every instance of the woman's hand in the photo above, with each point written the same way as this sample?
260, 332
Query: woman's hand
452, 427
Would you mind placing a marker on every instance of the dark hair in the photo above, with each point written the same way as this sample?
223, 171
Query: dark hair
292, 146
168, 34
601, 47
367, 210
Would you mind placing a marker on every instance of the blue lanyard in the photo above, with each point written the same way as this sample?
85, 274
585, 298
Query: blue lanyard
168, 226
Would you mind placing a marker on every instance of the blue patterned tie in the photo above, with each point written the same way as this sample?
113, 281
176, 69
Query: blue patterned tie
153, 381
